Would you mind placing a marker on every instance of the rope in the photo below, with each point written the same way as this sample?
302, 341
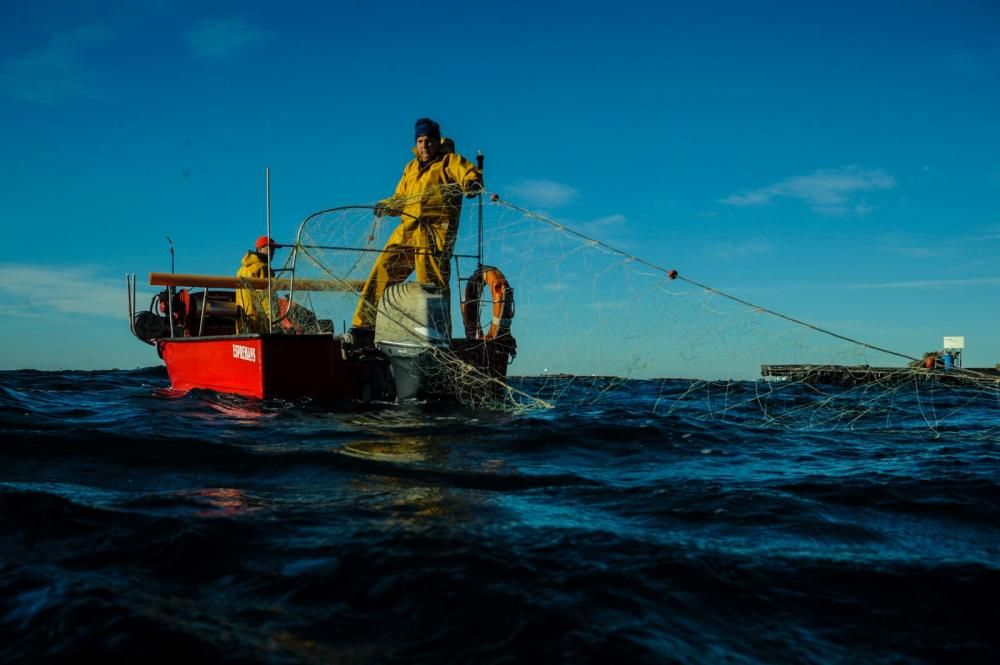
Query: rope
672, 274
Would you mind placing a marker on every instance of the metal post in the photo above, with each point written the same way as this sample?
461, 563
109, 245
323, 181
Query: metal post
479, 162
267, 185
204, 306
170, 291
131, 314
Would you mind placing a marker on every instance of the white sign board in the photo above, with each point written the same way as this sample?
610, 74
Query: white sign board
953, 343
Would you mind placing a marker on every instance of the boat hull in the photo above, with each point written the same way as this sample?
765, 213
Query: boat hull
264, 366
293, 366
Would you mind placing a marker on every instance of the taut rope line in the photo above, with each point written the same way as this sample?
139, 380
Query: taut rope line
672, 274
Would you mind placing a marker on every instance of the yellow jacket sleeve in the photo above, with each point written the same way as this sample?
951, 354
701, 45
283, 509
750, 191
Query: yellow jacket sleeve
463, 172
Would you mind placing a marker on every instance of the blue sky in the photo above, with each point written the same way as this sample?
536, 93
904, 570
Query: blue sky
836, 161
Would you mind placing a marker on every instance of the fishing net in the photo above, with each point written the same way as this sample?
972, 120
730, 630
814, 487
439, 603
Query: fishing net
595, 325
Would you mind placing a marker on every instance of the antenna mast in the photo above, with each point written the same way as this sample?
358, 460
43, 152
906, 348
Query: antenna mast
267, 195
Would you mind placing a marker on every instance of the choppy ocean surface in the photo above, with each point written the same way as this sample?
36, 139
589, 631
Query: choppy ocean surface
135, 525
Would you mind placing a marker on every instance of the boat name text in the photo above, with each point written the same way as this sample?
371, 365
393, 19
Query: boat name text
245, 353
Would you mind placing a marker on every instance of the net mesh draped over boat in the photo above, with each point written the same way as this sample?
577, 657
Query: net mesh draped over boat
595, 317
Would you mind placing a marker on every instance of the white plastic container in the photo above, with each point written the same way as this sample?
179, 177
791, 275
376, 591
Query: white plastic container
413, 322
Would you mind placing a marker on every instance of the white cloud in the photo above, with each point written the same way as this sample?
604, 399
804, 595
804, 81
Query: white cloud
825, 191
617, 305
54, 72
749, 248
609, 220
222, 38
928, 284
914, 252
602, 226
918, 285
544, 193
759, 197
33, 291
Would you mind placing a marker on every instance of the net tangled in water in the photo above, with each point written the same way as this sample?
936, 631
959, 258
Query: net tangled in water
593, 320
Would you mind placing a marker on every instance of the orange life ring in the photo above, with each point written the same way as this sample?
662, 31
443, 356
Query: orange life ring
502, 297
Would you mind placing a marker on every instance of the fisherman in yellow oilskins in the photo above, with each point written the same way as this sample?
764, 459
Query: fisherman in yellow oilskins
255, 265
428, 200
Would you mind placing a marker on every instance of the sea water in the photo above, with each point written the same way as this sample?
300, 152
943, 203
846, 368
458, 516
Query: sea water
143, 525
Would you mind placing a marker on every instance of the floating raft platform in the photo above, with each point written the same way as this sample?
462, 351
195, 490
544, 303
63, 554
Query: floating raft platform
853, 375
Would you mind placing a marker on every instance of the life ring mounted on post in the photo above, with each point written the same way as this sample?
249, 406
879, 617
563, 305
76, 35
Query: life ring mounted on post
499, 292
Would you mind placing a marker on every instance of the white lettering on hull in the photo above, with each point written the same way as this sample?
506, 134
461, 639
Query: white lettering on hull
247, 353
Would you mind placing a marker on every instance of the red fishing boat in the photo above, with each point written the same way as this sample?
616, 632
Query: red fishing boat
194, 323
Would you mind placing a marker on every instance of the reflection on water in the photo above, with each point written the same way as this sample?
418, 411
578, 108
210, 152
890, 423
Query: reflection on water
399, 450
238, 408
414, 478
222, 501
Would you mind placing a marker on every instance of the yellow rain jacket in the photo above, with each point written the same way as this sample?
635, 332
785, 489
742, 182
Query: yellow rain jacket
429, 201
253, 301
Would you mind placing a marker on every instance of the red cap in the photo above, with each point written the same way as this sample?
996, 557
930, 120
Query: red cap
264, 241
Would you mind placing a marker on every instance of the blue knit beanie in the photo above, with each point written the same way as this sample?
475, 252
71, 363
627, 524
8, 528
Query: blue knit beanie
427, 127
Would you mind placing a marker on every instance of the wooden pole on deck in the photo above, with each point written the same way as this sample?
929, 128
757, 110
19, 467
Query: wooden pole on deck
226, 282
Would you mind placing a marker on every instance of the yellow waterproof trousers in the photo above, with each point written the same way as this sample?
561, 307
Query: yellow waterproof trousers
415, 246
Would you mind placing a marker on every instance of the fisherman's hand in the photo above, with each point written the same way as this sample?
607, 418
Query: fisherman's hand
473, 189
387, 207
